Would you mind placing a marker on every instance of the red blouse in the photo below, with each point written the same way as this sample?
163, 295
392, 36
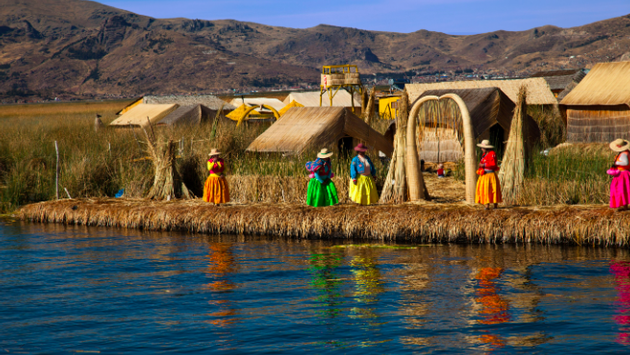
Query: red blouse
489, 161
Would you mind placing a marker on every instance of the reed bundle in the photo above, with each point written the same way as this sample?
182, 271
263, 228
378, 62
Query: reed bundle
414, 222
512, 174
395, 187
167, 182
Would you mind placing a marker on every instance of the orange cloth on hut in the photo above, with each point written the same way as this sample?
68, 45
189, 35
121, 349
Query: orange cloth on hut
216, 188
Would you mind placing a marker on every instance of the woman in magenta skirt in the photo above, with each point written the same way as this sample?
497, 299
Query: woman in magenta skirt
620, 171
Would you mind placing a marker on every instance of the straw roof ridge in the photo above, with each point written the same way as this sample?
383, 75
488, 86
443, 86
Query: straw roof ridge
538, 91
210, 101
606, 84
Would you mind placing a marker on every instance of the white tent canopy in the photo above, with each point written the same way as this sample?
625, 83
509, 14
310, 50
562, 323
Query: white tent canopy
311, 99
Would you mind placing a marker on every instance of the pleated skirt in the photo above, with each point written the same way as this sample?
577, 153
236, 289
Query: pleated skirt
620, 190
488, 189
320, 195
216, 190
364, 192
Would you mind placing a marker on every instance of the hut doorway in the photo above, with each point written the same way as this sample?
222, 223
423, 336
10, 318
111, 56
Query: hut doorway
345, 146
497, 139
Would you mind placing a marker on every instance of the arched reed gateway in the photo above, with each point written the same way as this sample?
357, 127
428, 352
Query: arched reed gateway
598, 109
456, 115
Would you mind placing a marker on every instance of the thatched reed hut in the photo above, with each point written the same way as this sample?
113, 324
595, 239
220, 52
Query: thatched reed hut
491, 113
561, 80
311, 99
538, 91
304, 128
141, 114
598, 109
188, 115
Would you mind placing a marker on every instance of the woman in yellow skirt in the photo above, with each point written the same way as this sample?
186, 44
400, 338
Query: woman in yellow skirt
362, 188
216, 188
488, 186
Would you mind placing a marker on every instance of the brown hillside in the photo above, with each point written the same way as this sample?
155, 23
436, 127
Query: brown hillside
82, 48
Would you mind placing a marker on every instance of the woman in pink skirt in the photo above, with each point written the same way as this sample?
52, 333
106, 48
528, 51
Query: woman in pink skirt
620, 186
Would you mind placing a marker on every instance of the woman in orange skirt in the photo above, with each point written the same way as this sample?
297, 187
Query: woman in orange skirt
216, 188
488, 186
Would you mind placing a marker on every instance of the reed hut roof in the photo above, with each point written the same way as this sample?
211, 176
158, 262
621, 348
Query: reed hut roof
311, 99
303, 128
538, 92
257, 101
561, 79
210, 101
188, 115
137, 116
606, 84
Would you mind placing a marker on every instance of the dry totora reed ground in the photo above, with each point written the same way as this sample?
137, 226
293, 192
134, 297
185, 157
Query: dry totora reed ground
424, 222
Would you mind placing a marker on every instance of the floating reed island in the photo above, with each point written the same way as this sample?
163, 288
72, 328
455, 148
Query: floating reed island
418, 222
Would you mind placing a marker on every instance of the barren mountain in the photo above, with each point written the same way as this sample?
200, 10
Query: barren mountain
82, 48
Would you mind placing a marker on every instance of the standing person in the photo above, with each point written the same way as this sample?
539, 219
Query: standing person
321, 189
620, 185
216, 189
362, 171
488, 186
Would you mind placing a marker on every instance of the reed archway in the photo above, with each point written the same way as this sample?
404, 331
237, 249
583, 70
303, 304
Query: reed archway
412, 166
249, 110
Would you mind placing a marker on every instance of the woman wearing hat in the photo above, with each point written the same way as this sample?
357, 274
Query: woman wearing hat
216, 189
362, 171
620, 186
488, 187
321, 189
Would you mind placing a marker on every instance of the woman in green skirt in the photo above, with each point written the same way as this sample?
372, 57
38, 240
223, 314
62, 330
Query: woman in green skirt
321, 190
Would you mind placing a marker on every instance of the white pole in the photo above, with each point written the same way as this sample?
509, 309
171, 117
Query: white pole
57, 172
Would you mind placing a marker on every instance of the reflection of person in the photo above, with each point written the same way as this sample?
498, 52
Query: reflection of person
321, 189
216, 188
494, 309
488, 187
620, 185
327, 282
220, 266
368, 284
621, 270
362, 172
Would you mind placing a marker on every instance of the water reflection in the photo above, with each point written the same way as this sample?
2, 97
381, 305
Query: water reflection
220, 266
491, 307
326, 280
367, 284
621, 270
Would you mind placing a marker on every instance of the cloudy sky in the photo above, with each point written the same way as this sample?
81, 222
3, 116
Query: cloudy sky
449, 16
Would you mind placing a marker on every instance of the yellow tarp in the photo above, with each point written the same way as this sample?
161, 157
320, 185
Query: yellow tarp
240, 111
287, 107
387, 108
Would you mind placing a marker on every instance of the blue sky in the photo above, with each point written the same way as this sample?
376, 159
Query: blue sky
449, 16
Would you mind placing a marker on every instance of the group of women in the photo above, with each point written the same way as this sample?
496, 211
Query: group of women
321, 189
362, 190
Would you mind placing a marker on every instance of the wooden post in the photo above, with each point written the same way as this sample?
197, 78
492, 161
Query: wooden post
57, 172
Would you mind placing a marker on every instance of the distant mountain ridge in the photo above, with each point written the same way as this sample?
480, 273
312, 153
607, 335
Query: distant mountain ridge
84, 49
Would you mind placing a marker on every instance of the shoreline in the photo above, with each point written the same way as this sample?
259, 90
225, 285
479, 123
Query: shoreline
424, 222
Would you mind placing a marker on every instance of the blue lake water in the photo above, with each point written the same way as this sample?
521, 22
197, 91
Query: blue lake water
76, 290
